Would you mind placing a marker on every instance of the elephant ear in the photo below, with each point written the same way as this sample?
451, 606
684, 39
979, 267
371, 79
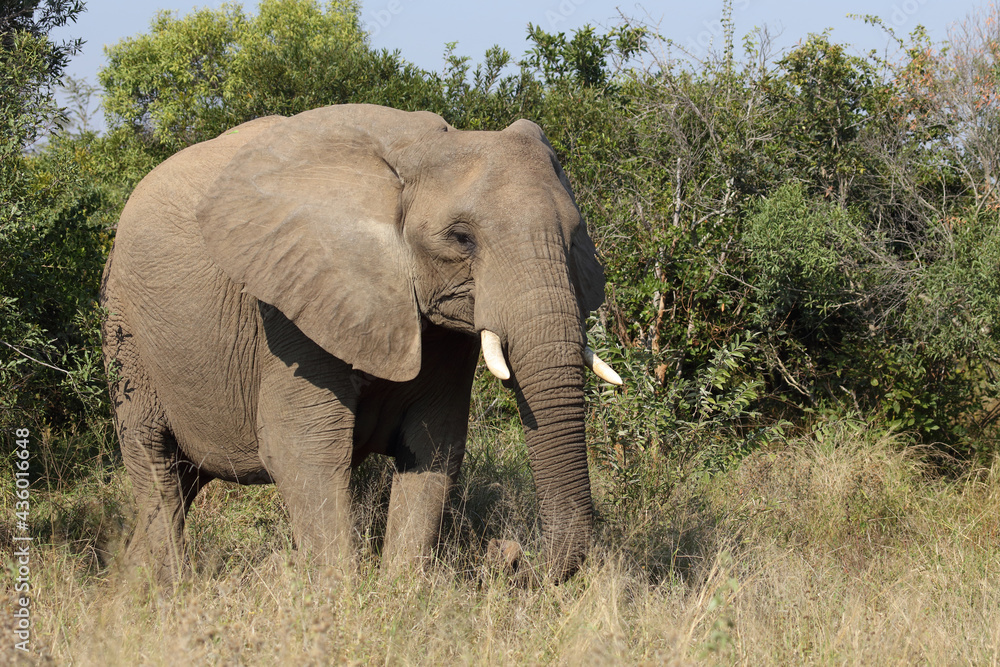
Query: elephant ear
586, 272
307, 217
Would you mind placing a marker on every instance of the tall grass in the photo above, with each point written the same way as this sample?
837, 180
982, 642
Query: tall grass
839, 546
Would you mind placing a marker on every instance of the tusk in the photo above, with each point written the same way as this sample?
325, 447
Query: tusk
493, 354
602, 370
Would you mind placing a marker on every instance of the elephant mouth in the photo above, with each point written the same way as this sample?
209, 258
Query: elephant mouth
464, 290
454, 308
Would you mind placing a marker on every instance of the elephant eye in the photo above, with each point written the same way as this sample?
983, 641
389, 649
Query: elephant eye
463, 239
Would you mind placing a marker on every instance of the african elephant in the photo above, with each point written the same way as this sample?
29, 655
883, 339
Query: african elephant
301, 292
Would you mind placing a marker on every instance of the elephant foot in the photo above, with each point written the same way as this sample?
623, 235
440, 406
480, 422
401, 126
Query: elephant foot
149, 577
505, 555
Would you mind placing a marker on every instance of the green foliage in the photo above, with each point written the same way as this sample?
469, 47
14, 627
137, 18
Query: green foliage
50, 251
817, 285
51, 367
658, 432
30, 65
825, 100
582, 59
944, 376
492, 100
803, 257
26, 105
38, 18
810, 204
168, 84
844, 317
953, 309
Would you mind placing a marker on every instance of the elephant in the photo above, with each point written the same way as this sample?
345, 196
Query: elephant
301, 292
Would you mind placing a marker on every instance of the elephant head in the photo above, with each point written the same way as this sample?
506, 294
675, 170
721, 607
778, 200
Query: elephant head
362, 224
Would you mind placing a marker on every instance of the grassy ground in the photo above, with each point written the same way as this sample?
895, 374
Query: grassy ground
837, 547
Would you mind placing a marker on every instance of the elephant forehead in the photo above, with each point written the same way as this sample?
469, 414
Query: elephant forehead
481, 163
520, 201
522, 184
480, 153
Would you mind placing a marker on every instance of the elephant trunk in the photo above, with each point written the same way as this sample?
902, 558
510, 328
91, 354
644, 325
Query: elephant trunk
545, 346
550, 401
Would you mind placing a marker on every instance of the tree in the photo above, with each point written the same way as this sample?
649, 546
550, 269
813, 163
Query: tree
30, 65
26, 17
193, 77
964, 88
34, 322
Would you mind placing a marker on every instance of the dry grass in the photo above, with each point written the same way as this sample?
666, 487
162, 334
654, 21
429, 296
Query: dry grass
837, 548
851, 553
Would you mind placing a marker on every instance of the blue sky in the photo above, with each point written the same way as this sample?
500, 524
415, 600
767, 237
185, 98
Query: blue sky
420, 29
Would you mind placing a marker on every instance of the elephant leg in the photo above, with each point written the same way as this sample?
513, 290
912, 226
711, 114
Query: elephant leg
416, 509
305, 426
309, 459
163, 483
163, 491
429, 448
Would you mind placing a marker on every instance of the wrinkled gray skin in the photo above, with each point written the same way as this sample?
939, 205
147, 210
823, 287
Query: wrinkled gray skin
299, 293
